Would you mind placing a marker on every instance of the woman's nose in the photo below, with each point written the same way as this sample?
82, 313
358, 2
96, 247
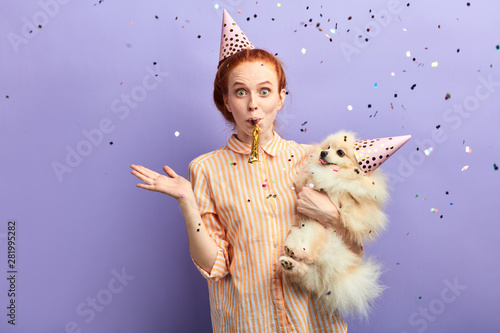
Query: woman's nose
252, 103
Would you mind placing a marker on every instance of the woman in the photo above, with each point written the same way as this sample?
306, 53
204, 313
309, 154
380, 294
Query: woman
237, 214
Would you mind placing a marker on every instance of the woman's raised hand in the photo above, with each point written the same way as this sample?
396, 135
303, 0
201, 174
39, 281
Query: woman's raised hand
173, 185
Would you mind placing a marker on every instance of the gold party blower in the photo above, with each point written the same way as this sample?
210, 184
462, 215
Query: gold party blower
254, 155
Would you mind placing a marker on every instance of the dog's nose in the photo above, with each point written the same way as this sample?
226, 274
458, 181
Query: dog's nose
324, 153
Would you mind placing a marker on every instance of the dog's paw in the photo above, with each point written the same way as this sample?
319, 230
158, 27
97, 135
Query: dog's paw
292, 267
289, 252
286, 264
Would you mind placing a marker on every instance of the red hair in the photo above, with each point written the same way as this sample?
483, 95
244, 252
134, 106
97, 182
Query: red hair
227, 65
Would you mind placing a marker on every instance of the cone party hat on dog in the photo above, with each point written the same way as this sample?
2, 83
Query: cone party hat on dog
232, 38
370, 154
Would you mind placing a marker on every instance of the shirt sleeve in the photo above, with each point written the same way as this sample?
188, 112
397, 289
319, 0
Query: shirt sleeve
204, 199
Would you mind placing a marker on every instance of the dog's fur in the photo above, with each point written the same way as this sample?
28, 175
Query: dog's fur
318, 259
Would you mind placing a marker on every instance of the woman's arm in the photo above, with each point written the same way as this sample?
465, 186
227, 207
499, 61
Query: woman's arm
319, 207
202, 247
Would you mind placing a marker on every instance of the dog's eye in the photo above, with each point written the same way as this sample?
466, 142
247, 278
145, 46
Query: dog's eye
328, 147
340, 153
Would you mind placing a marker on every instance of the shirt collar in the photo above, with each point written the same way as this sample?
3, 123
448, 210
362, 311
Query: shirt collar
272, 147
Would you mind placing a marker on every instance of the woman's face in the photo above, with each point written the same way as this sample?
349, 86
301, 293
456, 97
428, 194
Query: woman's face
253, 94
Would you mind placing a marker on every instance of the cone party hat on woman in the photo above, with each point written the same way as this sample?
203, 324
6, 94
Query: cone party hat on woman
232, 38
370, 154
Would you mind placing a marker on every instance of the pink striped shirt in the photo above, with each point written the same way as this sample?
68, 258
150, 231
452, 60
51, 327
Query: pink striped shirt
248, 209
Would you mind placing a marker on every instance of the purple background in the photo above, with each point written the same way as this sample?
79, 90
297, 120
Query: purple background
78, 229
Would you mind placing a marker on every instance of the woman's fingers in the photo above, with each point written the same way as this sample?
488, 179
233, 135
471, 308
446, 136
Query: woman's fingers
170, 184
148, 176
141, 176
169, 171
145, 171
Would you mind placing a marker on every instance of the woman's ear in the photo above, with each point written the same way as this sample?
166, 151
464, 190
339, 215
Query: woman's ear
226, 104
282, 98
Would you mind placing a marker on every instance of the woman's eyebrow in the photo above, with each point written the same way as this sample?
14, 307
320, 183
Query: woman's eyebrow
238, 83
259, 84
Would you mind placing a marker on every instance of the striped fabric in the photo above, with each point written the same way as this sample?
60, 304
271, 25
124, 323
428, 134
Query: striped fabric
247, 209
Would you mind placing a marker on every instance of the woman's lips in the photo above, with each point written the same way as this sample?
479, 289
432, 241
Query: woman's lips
253, 121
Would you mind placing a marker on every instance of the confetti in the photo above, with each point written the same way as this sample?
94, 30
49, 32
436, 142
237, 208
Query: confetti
303, 51
428, 151
375, 85
111, 143
468, 150
434, 64
393, 74
216, 6
434, 210
447, 97
279, 5
465, 167
408, 54
349, 107
495, 166
176, 133
413, 86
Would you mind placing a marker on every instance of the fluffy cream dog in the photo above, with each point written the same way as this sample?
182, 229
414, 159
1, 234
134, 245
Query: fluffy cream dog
318, 259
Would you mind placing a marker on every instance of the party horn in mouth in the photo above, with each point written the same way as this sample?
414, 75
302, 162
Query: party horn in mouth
254, 155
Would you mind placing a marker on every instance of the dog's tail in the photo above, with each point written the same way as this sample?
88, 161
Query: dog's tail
354, 293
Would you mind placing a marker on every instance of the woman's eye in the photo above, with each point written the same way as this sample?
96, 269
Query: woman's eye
340, 153
265, 92
241, 92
